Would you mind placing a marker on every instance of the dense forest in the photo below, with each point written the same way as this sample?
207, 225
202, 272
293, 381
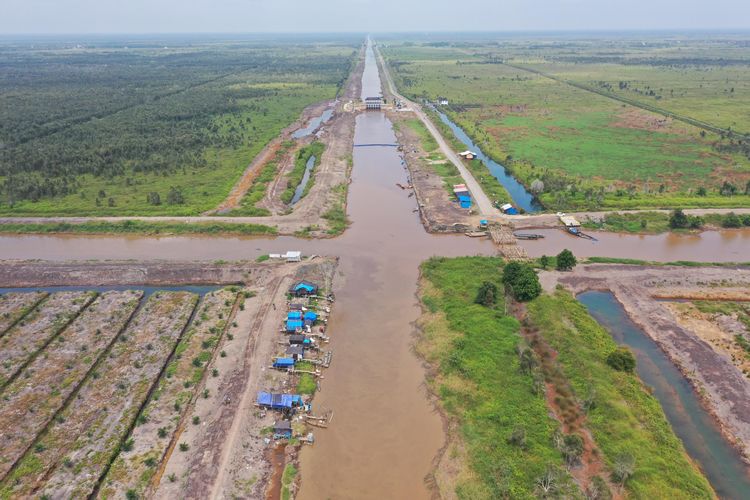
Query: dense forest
114, 113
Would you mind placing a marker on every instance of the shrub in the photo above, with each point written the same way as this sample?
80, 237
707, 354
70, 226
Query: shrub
128, 444
487, 294
621, 359
184, 447
731, 221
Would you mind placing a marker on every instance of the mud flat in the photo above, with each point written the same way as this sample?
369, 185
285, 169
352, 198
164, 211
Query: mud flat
30, 402
68, 459
22, 342
117, 273
14, 306
169, 410
723, 389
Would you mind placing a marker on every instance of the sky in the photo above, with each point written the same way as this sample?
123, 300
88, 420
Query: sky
276, 16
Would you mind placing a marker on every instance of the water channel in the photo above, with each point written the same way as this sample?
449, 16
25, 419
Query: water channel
699, 433
300, 189
384, 433
521, 197
313, 124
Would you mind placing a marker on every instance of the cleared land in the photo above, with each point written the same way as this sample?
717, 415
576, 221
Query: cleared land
588, 149
510, 418
111, 395
166, 127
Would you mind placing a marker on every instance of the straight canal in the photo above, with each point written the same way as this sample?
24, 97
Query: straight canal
385, 433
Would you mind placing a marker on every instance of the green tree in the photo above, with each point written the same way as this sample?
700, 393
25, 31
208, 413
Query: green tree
566, 260
175, 196
621, 359
678, 219
701, 191
728, 189
487, 294
522, 282
544, 261
153, 198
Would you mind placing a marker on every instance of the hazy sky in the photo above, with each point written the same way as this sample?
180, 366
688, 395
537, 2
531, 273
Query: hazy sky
246, 16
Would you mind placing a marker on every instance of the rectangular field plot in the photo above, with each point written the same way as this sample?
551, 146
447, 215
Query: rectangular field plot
69, 457
31, 400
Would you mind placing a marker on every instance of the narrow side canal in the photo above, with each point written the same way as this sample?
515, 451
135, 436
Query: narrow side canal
698, 431
522, 198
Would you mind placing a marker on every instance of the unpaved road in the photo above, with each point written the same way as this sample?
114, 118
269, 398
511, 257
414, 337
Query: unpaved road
480, 198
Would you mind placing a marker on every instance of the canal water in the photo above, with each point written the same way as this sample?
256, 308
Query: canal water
313, 125
521, 197
699, 433
300, 189
384, 432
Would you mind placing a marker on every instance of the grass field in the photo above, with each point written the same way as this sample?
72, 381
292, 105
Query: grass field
139, 227
477, 377
590, 150
111, 129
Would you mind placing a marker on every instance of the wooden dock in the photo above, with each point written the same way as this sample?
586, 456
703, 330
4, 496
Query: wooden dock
506, 241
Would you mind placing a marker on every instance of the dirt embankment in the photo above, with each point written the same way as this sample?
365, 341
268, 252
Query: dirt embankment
337, 134
23, 273
722, 387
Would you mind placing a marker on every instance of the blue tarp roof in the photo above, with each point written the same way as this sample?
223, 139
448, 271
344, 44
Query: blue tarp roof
283, 362
293, 324
304, 286
464, 198
294, 315
511, 211
278, 401
312, 316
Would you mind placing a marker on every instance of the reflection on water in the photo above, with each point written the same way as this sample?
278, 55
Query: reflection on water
313, 125
699, 433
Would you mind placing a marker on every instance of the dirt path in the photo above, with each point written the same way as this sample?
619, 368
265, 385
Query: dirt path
480, 198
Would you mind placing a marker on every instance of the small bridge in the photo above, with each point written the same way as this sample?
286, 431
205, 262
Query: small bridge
384, 145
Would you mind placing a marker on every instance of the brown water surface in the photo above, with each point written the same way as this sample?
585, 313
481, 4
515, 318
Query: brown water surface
384, 433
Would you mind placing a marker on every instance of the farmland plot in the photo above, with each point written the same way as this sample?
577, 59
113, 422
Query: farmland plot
14, 306
30, 402
24, 340
160, 423
68, 459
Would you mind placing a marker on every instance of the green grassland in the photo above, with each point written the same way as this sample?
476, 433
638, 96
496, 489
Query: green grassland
113, 130
626, 418
140, 227
478, 380
591, 151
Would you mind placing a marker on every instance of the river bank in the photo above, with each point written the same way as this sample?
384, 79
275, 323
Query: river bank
721, 387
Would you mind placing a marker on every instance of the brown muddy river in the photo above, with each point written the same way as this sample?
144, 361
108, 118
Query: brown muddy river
384, 432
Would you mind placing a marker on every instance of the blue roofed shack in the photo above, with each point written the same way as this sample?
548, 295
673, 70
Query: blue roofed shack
464, 201
304, 288
282, 429
294, 315
278, 401
293, 325
284, 363
311, 316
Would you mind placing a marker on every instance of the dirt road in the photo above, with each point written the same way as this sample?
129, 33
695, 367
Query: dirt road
480, 198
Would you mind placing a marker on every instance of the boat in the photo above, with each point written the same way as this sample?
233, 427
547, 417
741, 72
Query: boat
528, 236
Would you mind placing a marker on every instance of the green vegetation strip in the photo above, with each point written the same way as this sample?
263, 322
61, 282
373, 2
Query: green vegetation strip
479, 382
625, 418
300, 164
336, 215
138, 227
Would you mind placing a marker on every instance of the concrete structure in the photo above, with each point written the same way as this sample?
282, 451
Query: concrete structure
375, 103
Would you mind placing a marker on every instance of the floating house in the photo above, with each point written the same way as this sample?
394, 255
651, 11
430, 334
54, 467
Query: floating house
278, 401
296, 352
509, 209
303, 289
282, 429
468, 155
300, 340
292, 325
284, 363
